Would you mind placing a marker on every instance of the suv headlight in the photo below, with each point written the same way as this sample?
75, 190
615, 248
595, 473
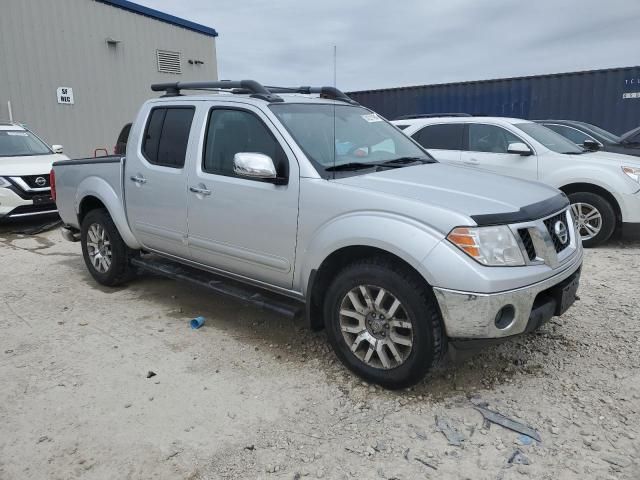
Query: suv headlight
4, 182
493, 246
632, 172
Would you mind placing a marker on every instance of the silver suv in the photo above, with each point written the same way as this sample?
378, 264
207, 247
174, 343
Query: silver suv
326, 204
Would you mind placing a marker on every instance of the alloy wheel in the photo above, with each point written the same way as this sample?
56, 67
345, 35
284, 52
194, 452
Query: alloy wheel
376, 327
99, 248
588, 220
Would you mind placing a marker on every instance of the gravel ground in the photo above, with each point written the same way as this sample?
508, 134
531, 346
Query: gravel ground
251, 395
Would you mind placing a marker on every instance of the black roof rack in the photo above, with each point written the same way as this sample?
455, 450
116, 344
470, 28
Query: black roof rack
255, 89
432, 115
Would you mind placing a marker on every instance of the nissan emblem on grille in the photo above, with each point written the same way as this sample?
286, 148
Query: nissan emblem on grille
41, 181
560, 229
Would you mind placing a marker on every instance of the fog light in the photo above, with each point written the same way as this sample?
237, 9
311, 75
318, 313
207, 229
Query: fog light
504, 318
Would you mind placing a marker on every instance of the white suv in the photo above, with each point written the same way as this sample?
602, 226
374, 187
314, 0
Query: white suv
604, 188
25, 163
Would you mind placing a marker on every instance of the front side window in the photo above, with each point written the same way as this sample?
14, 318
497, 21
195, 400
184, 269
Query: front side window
167, 136
335, 135
490, 138
445, 136
21, 143
576, 136
232, 131
550, 139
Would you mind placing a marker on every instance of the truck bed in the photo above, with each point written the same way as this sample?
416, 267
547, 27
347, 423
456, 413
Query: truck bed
78, 177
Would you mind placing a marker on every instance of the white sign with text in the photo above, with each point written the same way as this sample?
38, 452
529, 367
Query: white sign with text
65, 95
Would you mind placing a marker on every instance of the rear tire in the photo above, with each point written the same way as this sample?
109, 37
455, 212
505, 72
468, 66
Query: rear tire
392, 366
595, 218
105, 253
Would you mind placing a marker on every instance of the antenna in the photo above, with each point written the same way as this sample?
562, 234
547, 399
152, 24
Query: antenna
335, 56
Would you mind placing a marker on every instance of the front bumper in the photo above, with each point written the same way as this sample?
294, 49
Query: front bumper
16, 204
470, 315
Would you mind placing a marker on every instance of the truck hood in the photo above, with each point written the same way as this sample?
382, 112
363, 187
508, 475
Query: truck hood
468, 192
28, 165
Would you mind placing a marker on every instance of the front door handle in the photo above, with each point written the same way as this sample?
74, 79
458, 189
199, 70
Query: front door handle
200, 190
138, 179
471, 161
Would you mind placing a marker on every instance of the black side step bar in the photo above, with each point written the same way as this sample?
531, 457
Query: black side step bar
289, 308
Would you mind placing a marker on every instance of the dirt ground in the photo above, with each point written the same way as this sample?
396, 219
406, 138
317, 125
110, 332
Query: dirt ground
251, 395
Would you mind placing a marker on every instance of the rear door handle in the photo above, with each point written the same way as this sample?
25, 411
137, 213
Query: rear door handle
200, 191
471, 161
139, 180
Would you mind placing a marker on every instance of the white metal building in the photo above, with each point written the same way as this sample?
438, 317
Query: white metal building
75, 71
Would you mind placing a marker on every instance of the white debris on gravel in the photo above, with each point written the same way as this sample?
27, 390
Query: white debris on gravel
252, 395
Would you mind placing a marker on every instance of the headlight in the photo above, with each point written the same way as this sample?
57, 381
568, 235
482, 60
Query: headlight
632, 172
494, 246
4, 182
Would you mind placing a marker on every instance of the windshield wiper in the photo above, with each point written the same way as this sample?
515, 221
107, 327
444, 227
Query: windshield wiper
351, 166
405, 160
575, 153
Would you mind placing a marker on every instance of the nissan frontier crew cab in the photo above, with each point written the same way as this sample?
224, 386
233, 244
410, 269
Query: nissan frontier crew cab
300, 197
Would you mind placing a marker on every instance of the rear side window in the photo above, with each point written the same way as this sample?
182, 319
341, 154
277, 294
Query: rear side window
233, 131
445, 136
167, 135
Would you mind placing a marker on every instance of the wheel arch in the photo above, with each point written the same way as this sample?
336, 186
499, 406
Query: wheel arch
94, 192
598, 190
320, 278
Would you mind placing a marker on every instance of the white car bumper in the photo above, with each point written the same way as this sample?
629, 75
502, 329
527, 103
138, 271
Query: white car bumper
17, 204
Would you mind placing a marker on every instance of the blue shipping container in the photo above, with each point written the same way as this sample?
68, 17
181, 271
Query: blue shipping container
608, 98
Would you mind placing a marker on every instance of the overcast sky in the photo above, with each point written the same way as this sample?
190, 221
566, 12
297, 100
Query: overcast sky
412, 42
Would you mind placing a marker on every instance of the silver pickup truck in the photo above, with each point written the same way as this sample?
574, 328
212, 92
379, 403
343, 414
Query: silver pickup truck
301, 200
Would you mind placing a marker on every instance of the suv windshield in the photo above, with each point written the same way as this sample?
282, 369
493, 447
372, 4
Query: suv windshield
21, 143
335, 135
550, 139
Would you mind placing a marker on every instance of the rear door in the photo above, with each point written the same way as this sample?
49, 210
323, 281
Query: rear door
444, 141
486, 148
243, 226
156, 180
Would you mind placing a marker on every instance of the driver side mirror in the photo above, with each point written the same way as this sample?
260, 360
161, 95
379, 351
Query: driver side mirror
591, 145
256, 166
57, 148
519, 148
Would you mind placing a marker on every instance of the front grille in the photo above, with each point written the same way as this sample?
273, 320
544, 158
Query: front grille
525, 236
550, 223
36, 181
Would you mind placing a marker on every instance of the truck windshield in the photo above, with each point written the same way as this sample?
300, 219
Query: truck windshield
21, 143
344, 135
550, 139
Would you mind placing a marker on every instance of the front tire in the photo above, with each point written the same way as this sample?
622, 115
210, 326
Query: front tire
105, 253
594, 216
384, 323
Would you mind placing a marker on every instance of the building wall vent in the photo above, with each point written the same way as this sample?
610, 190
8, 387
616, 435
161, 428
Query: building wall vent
168, 62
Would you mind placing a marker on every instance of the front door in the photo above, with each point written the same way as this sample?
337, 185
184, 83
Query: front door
239, 225
487, 149
155, 180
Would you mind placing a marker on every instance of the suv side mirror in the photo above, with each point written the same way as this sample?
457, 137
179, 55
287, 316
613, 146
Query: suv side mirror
256, 166
591, 145
57, 148
519, 148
